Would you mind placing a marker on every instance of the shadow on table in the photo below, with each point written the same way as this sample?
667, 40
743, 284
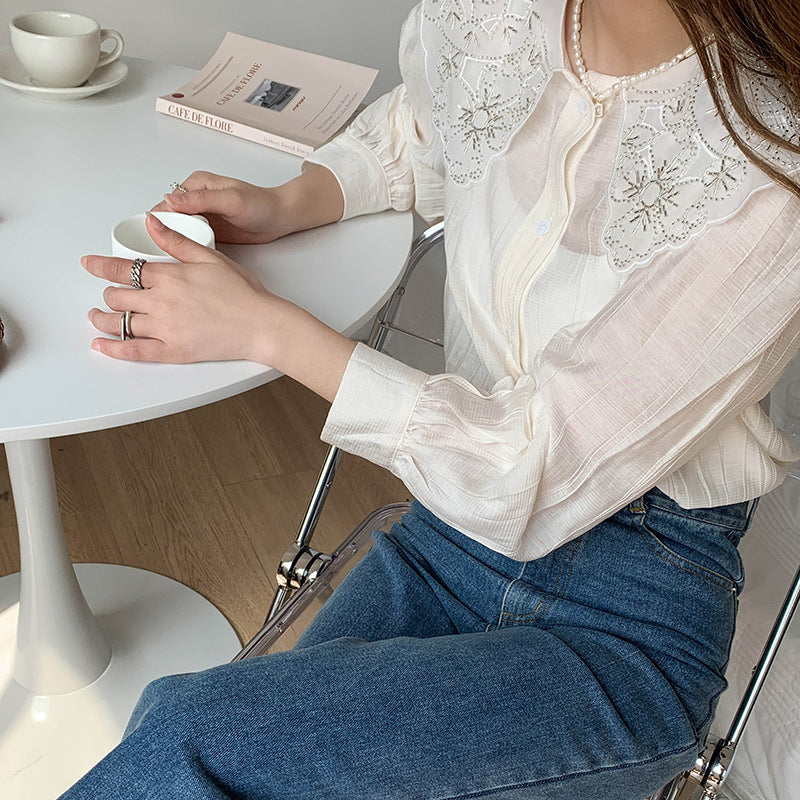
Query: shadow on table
13, 342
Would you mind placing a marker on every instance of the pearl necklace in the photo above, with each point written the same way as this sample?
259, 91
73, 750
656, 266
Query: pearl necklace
620, 83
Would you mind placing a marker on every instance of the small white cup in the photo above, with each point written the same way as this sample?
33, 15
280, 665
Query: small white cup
60, 49
130, 239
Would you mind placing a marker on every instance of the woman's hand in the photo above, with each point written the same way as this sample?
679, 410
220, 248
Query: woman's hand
205, 309
241, 213
208, 308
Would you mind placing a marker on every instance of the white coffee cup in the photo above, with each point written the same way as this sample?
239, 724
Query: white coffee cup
60, 49
130, 239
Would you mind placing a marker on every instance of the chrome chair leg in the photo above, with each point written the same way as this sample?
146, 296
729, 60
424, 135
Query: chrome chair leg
300, 562
704, 780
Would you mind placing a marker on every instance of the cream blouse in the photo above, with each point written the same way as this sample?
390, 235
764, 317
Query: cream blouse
622, 290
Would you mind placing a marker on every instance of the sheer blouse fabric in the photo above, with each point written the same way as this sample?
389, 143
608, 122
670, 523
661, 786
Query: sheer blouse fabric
622, 290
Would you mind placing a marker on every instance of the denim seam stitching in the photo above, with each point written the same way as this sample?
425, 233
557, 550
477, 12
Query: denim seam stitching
683, 564
539, 612
502, 613
559, 778
678, 513
723, 669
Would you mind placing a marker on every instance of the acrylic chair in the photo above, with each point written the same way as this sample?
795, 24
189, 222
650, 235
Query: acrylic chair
305, 575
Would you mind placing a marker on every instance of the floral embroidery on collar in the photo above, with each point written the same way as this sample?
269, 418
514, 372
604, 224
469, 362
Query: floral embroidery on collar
487, 63
678, 170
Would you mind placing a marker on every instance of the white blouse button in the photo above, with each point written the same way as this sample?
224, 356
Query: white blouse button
543, 227
583, 105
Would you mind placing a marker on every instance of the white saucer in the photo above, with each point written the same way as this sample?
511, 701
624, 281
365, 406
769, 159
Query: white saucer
13, 74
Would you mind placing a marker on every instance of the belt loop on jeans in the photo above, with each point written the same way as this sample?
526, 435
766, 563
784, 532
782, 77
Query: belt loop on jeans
751, 509
638, 506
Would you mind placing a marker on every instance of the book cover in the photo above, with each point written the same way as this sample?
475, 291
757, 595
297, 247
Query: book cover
274, 95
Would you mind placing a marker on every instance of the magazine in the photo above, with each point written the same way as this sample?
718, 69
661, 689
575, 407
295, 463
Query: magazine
283, 98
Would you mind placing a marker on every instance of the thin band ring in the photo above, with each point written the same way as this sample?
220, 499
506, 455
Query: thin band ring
178, 187
136, 273
125, 326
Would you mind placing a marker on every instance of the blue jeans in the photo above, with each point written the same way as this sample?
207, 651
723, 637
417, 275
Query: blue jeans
440, 669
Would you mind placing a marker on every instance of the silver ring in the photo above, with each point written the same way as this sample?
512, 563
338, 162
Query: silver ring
136, 273
125, 326
178, 187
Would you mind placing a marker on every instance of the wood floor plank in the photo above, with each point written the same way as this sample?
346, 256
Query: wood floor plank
292, 418
90, 539
9, 550
168, 512
270, 430
75, 481
7, 515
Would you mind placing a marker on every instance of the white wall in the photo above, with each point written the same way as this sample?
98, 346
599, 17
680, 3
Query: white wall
187, 32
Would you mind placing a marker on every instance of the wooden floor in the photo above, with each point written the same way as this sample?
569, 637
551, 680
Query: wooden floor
210, 497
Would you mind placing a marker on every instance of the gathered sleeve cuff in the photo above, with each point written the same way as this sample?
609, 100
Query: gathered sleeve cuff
373, 406
359, 173
370, 159
390, 155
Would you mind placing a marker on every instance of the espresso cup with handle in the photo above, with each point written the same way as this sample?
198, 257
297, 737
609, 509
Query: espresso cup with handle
130, 239
61, 49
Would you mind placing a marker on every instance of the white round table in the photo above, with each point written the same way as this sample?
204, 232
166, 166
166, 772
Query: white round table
76, 652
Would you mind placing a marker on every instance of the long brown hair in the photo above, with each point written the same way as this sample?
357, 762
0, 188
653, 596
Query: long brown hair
752, 40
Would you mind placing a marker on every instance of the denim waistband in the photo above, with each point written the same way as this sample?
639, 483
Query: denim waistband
732, 517
735, 516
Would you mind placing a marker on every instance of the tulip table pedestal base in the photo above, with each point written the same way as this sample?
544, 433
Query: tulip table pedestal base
154, 626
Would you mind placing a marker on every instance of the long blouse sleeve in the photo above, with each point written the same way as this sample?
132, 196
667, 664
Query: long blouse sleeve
670, 368
390, 156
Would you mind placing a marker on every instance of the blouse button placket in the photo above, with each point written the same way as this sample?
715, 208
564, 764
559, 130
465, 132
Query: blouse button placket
514, 275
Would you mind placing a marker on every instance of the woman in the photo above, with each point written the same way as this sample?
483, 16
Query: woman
554, 616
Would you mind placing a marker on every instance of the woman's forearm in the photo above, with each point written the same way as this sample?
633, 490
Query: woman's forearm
295, 342
311, 199
298, 344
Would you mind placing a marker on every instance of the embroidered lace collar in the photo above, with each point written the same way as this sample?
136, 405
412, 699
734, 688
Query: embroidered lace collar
676, 169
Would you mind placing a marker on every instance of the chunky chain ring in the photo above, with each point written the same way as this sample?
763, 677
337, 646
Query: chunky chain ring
136, 273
